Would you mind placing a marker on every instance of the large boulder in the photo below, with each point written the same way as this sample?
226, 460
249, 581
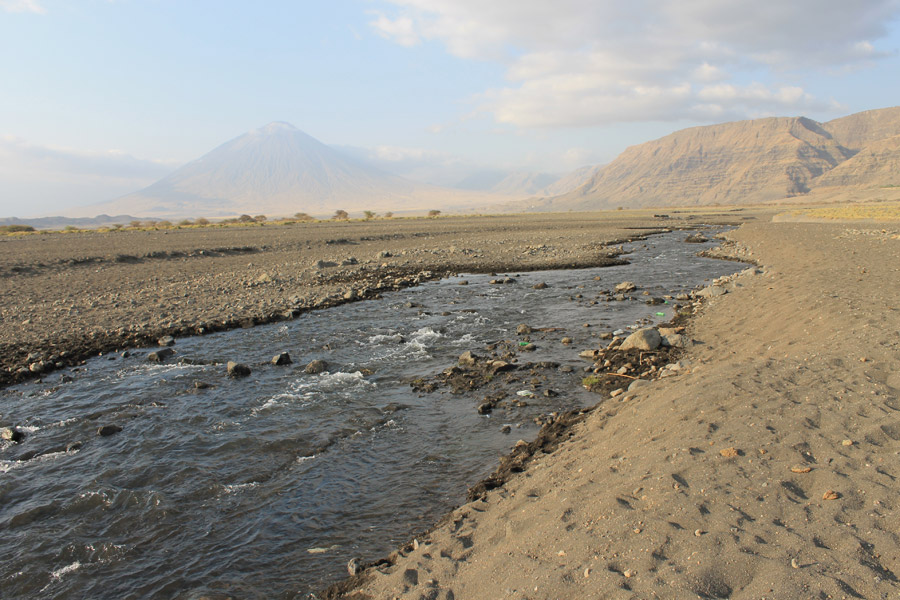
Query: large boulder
642, 339
160, 355
282, 358
236, 369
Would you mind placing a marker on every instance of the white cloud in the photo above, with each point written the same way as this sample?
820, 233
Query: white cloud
22, 6
589, 62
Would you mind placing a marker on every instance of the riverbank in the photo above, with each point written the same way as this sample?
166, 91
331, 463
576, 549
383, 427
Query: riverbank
766, 469
65, 297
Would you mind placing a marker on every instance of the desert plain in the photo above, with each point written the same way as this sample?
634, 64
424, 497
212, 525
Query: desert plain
767, 467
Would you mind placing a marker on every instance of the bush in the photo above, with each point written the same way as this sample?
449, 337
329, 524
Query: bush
369, 215
341, 215
185, 223
260, 218
302, 216
245, 219
388, 215
15, 228
433, 213
201, 221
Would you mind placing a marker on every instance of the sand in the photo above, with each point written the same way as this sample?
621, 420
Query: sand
766, 469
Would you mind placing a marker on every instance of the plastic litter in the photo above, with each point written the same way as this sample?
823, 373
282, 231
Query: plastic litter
660, 314
525, 393
524, 343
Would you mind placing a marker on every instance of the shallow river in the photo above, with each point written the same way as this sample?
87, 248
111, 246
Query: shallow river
265, 487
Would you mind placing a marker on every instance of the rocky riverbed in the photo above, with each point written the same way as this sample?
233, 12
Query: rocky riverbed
67, 296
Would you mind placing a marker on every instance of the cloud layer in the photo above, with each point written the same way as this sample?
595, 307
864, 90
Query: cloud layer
594, 62
21, 6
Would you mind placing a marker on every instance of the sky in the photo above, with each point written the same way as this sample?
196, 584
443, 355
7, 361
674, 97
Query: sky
99, 98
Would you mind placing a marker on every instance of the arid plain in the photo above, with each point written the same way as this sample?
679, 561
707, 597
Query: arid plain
766, 468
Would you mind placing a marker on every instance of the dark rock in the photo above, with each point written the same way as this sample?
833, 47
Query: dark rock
12, 434
201, 385
73, 446
696, 238
506, 429
167, 340
317, 366
236, 369
108, 430
160, 355
551, 393
281, 359
463, 282
485, 408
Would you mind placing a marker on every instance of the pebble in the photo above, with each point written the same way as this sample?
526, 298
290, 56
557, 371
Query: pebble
729, 452
628, 573
794, 563
830, 495
698, 532
847, 443
236, 369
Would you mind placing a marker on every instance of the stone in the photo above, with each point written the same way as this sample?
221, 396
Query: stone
166, 340
637, 384
485, 408
501, 365
201, 385
12, 434
354, 566
108, 430
567, 340
324, 264
676, 340
696, 238
506, 429
540, 286
626, 286
529, 348
160, 355
281, 359
523, 329
712, 291
350, 295
467, 359
236, 369
315, 367
643, 339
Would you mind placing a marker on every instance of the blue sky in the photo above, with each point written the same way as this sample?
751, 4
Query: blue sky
101, 97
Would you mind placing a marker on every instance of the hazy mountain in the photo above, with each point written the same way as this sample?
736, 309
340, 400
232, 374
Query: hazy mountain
507, 183
278, 170
570, 181
744, 162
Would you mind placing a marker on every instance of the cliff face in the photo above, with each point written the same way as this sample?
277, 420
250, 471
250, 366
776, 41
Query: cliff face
746, 162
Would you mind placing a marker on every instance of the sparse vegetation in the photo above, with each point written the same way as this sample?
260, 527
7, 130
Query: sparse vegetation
260, 218
433, 213
245, 219
302, 216
16, 228
341, 215
185, 223
369, 215
388, 215
201, 221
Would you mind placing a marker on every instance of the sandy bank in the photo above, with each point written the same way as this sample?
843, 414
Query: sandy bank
768, 470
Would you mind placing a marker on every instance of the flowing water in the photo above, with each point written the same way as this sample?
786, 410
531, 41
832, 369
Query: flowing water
265, 487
